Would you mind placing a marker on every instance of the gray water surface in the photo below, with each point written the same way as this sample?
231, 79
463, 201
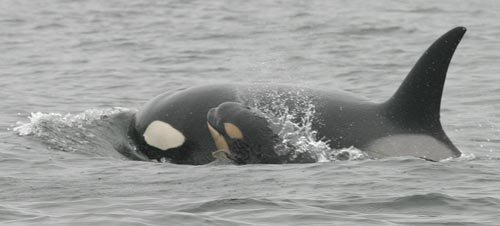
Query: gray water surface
73, 73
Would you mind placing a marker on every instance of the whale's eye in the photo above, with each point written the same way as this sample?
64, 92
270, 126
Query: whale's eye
163, 136
233, 131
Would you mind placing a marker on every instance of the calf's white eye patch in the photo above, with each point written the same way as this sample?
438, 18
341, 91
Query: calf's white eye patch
233, 131
163, 136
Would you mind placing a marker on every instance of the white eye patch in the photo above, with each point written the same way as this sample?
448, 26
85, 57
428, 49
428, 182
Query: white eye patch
233, 131
163, 136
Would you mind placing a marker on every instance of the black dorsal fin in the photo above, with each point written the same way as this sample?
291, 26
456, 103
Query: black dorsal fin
418, 99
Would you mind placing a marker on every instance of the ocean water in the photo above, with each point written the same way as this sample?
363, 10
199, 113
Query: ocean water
74, 72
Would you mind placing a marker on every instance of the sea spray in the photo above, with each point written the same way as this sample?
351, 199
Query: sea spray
292, 116
100, 132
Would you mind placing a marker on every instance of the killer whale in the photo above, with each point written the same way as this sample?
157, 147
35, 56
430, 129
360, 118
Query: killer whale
186, 127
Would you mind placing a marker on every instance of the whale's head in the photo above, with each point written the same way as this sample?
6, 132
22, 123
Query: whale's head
243, 133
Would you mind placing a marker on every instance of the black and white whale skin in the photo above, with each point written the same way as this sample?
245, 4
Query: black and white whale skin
188, 126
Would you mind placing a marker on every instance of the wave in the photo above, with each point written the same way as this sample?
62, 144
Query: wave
95, 132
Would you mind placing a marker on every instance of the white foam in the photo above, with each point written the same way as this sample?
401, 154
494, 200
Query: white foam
38, 119
350, 153
293, 125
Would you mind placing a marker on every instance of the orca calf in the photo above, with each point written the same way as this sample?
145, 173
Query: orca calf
195, 125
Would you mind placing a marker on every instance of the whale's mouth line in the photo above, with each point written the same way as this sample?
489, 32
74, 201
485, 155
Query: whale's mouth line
211, 119
217, 137
214, 127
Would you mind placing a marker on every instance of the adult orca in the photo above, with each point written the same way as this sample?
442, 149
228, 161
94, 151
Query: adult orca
188, 126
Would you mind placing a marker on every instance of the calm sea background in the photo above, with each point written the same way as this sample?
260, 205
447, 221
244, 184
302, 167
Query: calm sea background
74, 72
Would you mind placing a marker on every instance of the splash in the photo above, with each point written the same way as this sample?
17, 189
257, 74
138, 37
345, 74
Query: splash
298, 140
292, 116
464, 157
350, 153
100, 132
39, 122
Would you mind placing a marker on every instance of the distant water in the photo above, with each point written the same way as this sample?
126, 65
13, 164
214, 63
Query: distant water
74, 72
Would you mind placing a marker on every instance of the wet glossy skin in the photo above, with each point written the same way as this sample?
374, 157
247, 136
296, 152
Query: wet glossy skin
406, 125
